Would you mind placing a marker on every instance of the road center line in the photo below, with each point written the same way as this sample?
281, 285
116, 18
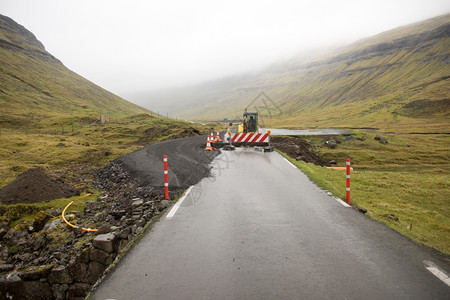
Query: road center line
430, 266
290, 163
178, 204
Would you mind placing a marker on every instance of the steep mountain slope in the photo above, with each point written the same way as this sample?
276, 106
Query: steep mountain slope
398, 76
35, 83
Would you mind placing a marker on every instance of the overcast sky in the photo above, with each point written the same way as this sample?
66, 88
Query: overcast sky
128, 46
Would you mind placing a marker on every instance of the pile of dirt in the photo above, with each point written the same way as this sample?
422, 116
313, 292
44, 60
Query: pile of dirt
188, 163
33, 186
297, 148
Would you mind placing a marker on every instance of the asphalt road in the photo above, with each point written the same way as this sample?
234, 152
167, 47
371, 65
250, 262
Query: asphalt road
261, 230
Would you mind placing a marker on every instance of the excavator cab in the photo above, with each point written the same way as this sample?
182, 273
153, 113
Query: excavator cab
250, 122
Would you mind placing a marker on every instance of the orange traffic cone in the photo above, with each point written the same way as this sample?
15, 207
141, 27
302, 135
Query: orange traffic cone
217, 138
208, 146
211, 139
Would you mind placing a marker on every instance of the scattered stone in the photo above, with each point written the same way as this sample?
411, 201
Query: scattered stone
106, 242
101, 256
391, 217
35, 272
59, 291
6, 267
363, 210
91, 205
14, 236
70, 217
104, 229
332, 144
95, 271
163, 205
60, 275
78, 290
53, 224
382, 140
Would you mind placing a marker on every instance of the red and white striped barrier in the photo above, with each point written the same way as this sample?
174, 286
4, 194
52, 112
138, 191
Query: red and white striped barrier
250, 138
166, 179
348, 180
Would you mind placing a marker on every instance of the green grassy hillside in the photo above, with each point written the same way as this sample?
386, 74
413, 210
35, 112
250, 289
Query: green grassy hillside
397, 80
49, 115
35, 86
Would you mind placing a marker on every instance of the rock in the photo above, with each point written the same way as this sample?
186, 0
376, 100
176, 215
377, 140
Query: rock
101, 256
101, 216
6, 267
95, 271
83, 257
381, 139
391, 217
123, 234
104, 229
163, 204
136, 202
54, 212
141, 223
59, 291
408, 145
332, 144
60, 275
332, 162
78, 271
298, 158
106, 242
14, 236
78, 290
4, 252
122, 244
39, 221
38, 240
35, 272
363, 210
3, 232
70, 217
53, 224
138, 230
91, 205
12, 287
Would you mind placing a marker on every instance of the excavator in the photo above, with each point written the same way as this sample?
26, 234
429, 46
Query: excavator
247, 134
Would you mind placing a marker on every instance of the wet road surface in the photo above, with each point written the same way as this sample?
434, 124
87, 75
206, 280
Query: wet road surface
260, 229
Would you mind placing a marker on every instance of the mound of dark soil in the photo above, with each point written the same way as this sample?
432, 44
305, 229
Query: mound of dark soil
297, 148
33, 186
188, 163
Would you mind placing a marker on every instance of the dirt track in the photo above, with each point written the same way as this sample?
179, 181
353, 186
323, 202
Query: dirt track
188, 163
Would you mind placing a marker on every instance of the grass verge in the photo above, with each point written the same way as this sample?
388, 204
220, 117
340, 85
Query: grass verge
397, 188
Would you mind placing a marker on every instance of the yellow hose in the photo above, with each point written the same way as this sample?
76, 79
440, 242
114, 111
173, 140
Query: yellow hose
74, 226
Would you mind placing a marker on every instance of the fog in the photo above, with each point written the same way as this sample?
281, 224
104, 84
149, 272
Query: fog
133, 46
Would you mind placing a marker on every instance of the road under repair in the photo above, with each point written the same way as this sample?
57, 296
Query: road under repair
259, 229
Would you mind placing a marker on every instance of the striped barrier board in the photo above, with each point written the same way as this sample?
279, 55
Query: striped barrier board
250, 138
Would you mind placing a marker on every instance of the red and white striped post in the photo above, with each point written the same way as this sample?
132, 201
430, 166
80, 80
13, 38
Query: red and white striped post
166, 179
348, 180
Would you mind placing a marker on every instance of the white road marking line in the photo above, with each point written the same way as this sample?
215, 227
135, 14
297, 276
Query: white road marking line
178, 204
339, 200
430, 266
290, 163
